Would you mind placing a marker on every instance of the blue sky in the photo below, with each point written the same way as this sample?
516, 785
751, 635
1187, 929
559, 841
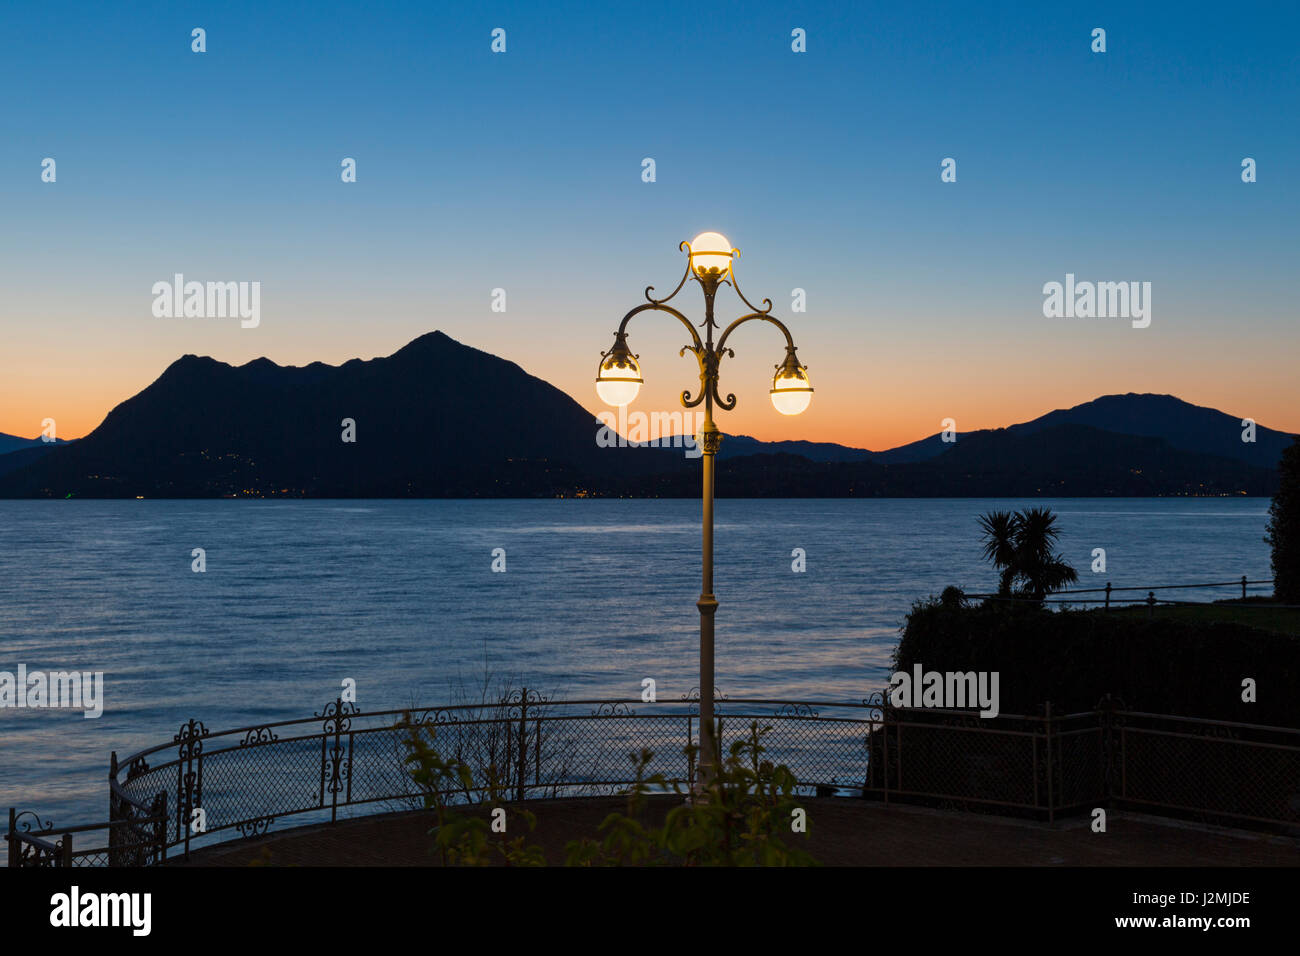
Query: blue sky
522, 171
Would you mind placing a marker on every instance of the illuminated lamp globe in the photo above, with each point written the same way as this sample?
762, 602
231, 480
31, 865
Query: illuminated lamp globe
619, 378
710, 254
791, 389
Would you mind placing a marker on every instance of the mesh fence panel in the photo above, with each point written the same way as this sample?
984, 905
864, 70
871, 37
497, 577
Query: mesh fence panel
1079, 765
255, 782
965, 764
343, 763
1211, 769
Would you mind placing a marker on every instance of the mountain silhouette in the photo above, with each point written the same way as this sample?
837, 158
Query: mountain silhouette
16, 452
440, 419
1184, 426
1061, 461
436, 418
10, 443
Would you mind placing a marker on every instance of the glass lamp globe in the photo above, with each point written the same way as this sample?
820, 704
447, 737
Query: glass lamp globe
791, 390
619, 378
710, 254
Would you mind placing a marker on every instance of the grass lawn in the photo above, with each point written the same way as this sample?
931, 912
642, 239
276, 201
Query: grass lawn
1253, 612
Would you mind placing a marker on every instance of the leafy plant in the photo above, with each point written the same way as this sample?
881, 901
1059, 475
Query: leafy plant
462, 839
736, 818
628, 841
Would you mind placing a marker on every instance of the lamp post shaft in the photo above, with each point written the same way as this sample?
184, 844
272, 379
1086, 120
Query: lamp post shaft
710, 438
708, 605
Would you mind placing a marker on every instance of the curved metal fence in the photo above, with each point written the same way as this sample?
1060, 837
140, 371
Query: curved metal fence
208, 786
205, 787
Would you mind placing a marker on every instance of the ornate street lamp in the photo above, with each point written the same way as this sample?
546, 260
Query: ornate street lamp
709, 261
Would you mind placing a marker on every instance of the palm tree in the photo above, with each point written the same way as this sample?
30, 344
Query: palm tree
1022, 547
1000, 531
1041, 570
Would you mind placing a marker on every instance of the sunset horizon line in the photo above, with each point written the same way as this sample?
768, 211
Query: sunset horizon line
12, 429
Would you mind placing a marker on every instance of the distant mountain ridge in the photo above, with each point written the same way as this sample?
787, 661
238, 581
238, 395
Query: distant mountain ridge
735, 446
1184, 426
436, 418
441, 419
1061, 461
16, 452
10, 443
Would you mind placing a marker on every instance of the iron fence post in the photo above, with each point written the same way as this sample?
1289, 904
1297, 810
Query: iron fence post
1243, 587
190, 785
347, 797
523, 743
65, 847
12, 839
335, 758
1151, 604
1107, 596
537, 750
1107, 708
323, 745
898, 752
690, 754
1051, 793
159, 810
884, 730
1034, 768
1123, 761
112, 810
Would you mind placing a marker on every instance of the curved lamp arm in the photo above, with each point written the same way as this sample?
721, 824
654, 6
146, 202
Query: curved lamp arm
683, 245
722, 340
697, 346
735, 284
660, 307
729, 403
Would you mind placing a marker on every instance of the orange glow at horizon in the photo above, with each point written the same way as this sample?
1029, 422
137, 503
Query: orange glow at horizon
900, 397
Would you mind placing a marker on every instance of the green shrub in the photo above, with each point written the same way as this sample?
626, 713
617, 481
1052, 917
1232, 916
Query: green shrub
1284, 528
1074, 657
738, 818
463, 839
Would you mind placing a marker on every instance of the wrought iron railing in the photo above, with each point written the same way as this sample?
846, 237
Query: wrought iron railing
134, 836
205, 787
1211, 771
1114, 597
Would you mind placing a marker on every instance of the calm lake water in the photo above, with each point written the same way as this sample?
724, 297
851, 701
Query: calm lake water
400, 596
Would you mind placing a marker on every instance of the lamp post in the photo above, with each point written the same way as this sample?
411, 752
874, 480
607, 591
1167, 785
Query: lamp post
709, 261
